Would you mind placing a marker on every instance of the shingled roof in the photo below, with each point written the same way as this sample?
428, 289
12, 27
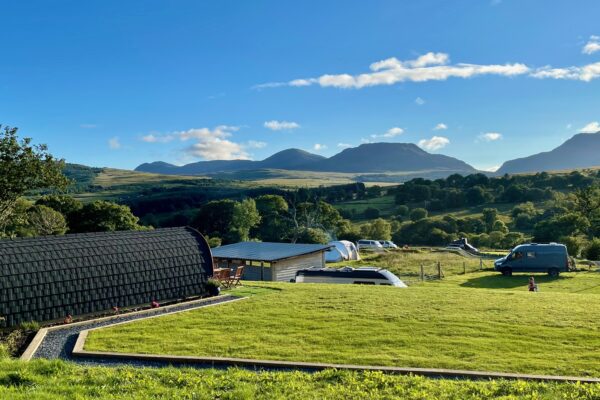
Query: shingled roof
48, 277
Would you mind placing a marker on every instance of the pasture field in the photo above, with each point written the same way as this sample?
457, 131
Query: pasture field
58, 380
448, 324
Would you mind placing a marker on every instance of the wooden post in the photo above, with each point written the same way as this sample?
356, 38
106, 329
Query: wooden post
481, 264
439, 265
464, 268
422, 273
262, 271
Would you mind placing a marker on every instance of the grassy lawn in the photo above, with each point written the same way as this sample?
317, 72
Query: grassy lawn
57, 380
439, 325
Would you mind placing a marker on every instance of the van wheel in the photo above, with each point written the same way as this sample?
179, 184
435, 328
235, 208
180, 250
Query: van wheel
553, 272
506, 271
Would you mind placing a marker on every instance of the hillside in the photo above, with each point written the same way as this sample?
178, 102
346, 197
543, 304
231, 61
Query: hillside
390, 157
581, 151
366, 158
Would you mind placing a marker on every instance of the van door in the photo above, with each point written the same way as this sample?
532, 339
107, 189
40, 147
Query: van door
517, 261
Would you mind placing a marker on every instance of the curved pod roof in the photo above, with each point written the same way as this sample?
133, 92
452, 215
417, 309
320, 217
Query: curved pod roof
49, 277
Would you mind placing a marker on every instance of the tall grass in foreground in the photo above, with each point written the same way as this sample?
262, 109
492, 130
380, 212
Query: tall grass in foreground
59, 380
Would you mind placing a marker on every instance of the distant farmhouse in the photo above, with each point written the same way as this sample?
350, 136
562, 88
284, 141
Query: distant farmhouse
270, 261
46, 278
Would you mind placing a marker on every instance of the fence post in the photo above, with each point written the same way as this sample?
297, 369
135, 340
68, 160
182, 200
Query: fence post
464, 268
439, 270
422, 273
481, 264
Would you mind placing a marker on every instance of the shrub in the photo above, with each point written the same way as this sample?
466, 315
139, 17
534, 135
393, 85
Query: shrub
371, 213
499, 226
30, 326
575, 244
402, 210
214, 241
592, 251
496, 239
4, 351
418, 214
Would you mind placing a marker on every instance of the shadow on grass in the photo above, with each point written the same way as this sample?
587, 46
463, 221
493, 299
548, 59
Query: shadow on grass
510, 282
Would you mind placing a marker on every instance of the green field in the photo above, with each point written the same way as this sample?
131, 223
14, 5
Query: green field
452, 324
61, 381
407, 263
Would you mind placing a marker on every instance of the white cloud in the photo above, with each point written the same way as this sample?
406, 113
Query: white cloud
210, 144
88, 126
344, 145
419, 101
390, 133
440, 127
253, 144
592, 127
592, 46
437, 67
319, 147
281, 125
585, 73
217, 149
490, 136
427, 67
152, 138
114, 143
435, 143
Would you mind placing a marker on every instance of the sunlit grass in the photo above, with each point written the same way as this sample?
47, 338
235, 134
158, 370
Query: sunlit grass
437, 325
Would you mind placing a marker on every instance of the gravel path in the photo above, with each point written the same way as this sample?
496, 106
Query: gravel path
59, 343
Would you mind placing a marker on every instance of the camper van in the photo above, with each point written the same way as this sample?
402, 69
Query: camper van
365, 244
551, 258
357, 276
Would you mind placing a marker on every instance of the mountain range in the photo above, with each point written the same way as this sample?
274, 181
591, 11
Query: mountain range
581, 151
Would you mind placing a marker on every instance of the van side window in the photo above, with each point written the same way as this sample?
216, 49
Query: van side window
517, 255
531, 254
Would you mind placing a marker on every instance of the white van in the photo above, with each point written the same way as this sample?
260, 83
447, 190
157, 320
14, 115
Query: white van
357, 276
365, 244
388, 244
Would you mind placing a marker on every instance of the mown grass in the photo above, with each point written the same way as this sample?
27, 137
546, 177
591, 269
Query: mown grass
41, 379
425, 325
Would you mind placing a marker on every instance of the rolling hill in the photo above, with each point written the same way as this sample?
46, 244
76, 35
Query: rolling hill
366, 158
581, 151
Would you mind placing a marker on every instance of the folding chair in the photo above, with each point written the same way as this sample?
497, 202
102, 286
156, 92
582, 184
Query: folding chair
234, 279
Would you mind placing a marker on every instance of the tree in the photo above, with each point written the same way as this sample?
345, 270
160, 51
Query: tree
490, 215
592, 251
274, 224
402, 210
215, 218
475, 196
417, 214
245, 217
104, 216
46, 221
66, 205
380, 229
569, 224
313, 235
499, 226
24, 167
371, 213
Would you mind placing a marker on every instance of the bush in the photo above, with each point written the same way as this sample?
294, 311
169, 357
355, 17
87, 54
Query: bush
313, 235
214, 241
30, 326
575, 244
418, 214
592, 251
402, 210
499, 226
371, 213
496, 239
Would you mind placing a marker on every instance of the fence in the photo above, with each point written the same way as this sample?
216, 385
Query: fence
439, 270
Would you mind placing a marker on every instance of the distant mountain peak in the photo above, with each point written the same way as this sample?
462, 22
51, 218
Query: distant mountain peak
580, 151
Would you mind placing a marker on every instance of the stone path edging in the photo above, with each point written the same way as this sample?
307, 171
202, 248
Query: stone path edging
43, 333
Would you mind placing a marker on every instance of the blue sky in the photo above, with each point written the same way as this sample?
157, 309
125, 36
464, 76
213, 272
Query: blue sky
118, 83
